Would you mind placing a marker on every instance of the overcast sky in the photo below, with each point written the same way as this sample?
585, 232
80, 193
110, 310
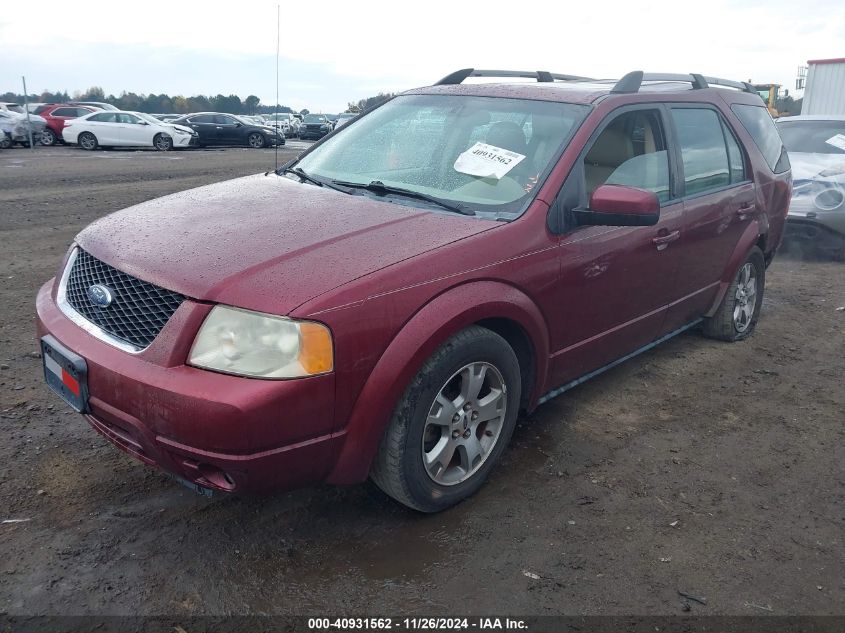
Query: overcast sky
335, 52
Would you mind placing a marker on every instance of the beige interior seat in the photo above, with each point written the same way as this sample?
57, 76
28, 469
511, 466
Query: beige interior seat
612, 148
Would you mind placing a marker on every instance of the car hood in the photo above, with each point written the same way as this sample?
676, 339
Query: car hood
266, 243
807, 166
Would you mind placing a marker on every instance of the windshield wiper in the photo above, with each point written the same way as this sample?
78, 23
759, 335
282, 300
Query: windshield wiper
378, 186
298, 171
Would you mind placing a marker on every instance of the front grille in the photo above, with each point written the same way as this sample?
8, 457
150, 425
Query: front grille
138, 309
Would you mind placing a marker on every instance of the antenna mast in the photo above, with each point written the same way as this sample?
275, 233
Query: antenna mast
278, 36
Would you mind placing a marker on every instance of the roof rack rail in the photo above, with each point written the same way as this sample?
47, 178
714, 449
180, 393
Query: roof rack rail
633, 81
542, 76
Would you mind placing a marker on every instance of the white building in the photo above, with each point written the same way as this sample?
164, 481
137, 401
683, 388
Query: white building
825, 90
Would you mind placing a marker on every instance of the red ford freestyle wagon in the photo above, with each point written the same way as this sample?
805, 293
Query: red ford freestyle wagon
385, 305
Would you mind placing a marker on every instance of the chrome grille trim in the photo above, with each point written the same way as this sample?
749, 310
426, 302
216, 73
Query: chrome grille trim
146, 332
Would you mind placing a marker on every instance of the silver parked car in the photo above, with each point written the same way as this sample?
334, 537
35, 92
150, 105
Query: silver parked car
816, 146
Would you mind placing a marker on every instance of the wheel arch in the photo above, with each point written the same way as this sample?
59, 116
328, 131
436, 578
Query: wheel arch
498, 306
755, 234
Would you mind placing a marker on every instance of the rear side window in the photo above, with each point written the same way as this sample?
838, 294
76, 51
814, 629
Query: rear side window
703, 150
66, 112
735, 158
104, 117
759, 124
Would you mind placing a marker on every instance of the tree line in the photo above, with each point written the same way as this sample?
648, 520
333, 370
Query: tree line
165, 104
154, 103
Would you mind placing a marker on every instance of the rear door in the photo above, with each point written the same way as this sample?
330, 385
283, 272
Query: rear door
719, 203
57, 119
205, 126
616, 282
104, 126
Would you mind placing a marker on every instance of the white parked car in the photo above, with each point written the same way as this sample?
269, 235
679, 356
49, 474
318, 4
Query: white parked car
110, 128
285, 122
8, 106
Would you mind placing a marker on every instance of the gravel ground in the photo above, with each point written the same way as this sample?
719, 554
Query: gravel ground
710, 468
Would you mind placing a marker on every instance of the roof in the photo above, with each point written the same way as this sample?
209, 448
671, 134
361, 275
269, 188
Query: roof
570, 92
577, 92
836, 60
812, 117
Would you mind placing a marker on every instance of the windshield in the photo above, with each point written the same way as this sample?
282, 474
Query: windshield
315, 118
813, 137
486, 153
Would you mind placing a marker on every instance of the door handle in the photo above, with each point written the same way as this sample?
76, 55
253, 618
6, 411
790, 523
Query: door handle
745, 209
662, 241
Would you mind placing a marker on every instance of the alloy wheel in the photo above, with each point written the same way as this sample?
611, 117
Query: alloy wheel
87, 141
163, 142
464, 423
745, 298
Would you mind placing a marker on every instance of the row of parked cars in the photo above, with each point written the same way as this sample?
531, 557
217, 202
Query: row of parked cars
93, 124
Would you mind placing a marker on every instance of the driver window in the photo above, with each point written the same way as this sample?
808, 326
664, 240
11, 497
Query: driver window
631, 151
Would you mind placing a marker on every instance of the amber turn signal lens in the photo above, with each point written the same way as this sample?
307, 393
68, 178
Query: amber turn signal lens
316, 354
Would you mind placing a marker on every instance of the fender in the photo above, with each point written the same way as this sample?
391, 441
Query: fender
430, 327
746, 242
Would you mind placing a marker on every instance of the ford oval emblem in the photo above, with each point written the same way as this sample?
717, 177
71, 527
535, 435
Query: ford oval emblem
100, 295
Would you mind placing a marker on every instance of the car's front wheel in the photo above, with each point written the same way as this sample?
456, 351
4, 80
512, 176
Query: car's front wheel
48, 138
163, 142
87, 141
256, 140
452, 424
737, 315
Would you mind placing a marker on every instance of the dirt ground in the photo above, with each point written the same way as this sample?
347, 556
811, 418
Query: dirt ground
710, 468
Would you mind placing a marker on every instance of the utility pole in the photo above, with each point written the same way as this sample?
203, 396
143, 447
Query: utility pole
26, 109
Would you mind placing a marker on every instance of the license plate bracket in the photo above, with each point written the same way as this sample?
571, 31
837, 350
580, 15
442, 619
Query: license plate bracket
66, 373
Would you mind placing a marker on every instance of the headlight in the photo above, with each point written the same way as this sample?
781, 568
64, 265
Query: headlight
245, 343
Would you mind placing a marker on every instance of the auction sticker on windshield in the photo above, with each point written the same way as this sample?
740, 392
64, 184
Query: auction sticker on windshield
837, 141
487, 161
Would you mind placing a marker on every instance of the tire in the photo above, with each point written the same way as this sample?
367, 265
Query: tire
737, 315
430, 421
48, 138
163, 142
5, 141
87, 141
256, 140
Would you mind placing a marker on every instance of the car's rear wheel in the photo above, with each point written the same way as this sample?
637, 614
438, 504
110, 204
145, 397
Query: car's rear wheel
256, 140
452, 424
737, 315
162, 142
48, 138
87, 141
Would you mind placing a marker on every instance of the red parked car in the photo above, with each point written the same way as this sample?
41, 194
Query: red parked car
56, 114
385, 305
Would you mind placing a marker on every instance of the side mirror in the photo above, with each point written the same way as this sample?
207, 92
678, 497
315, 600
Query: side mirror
616, 205
237, 124
142, 122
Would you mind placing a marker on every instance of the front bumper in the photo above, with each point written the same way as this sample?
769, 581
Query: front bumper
218, 431
180, 140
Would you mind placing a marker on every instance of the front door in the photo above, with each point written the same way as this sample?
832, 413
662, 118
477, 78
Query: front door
229, 130
616, 282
